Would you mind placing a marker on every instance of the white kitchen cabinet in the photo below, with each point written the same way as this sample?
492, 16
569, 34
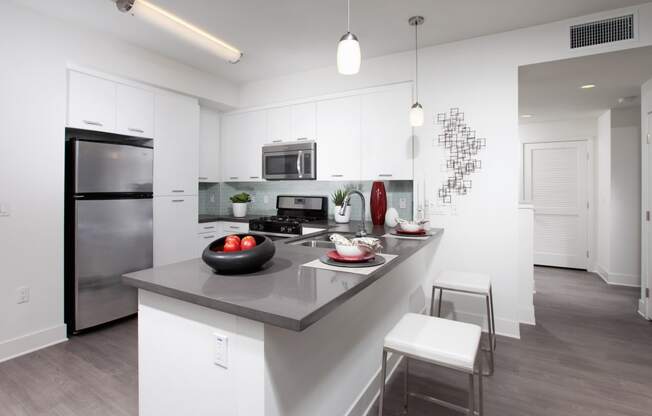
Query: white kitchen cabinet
135, 111
243, 136
204, 240
209, 227
291, 123
209, 146
338, 138
279, 125
304, 121
175, 229
91, 102
232, 227
386, 135
176, 145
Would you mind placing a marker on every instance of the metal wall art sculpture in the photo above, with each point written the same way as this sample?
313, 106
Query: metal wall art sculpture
462, 146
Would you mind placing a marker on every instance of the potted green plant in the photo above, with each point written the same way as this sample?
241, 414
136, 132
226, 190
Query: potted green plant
239, 202
338, 197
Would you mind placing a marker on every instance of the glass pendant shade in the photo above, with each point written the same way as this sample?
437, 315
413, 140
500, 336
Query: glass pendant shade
348, 55
416, 115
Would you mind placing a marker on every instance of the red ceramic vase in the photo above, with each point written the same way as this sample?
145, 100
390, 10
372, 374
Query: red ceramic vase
378, 203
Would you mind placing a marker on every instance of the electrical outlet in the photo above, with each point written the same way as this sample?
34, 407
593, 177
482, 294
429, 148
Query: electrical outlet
4, 210
402, 203
22, 294
221, 350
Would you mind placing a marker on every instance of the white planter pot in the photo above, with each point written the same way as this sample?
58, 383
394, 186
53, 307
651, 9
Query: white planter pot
342, 219
240, 209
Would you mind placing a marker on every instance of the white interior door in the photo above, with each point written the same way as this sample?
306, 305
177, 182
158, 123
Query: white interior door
555, 179
647, 231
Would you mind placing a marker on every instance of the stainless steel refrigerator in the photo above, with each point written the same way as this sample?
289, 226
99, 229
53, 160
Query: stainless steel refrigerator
109, 227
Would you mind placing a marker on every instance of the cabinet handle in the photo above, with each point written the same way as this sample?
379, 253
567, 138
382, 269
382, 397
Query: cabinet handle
234, 227
208, 228
177, 200
233, 177
336, 176
302, 138
253, 177
277, 141
93, 123
385, 175
178, 191
209, 236
135, 130
202, 178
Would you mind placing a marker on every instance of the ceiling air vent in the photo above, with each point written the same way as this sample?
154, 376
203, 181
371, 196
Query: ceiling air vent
602, 31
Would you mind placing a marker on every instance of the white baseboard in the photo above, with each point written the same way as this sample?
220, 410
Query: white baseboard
526, 316
641, 308
25, 344
618, 279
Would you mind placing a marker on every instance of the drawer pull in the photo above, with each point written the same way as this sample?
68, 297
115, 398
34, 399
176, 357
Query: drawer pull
253, 177
208, 228
234, 227
135, 130
233, 177
178, 191
93, 123
302, 138
385, 175
178, 200
337, 176
202, 178
277, 141
209, 236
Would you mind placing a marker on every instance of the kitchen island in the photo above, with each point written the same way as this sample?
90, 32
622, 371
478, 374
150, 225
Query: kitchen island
293, 340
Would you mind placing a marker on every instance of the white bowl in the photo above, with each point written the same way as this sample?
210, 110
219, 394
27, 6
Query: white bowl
410, 227
349, 251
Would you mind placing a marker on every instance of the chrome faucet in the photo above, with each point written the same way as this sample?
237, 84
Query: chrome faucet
345, 204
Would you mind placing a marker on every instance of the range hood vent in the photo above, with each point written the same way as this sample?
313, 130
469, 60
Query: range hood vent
601, 32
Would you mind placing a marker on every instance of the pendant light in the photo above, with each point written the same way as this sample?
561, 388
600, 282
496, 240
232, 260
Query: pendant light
348, 50
416, 112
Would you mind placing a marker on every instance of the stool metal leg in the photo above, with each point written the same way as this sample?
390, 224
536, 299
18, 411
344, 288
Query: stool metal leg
382, 383
491, 338
441, 298
471, 409
405, 385
493, 319
480, 398
432, 301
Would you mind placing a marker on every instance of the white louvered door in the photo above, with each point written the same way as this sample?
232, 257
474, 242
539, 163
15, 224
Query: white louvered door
555, 179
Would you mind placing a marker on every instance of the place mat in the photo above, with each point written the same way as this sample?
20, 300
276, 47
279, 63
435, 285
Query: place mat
408, 237
317, 264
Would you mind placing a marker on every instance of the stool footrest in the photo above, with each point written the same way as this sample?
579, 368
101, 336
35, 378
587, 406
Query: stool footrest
440, 402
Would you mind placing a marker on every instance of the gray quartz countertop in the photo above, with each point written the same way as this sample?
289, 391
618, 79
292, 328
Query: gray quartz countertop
213, 218
283, 293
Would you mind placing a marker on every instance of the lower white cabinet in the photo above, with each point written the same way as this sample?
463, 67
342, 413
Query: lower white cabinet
234, 227
175, 229
204, 240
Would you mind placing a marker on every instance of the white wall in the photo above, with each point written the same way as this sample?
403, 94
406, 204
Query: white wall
625, 206
35, 51
603, 214
546, 131
645, 305
481, 77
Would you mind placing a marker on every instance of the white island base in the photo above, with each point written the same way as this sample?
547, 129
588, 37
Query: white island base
331, 368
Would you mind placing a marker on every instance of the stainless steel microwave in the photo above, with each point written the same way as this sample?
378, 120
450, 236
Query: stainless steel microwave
291, 160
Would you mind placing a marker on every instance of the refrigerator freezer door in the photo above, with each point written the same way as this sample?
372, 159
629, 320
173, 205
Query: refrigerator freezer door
112, 237
108, 167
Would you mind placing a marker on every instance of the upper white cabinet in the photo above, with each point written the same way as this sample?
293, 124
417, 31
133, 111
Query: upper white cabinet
209, 146
91, 102
176, 145
99, 104
243, 135
295, 122
135, 111
386, 134
338, 139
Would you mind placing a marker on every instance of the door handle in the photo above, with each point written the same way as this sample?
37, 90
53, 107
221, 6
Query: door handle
299, 161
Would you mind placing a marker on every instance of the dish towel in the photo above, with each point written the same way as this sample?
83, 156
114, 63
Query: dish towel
317, 264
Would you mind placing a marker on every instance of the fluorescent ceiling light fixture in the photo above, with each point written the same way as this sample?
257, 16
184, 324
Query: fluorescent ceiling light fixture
587, 86
348, 49
168, 21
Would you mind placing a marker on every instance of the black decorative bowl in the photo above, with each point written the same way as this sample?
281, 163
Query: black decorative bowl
239, 262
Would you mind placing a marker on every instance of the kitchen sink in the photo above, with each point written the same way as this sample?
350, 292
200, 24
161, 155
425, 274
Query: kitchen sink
315, 244
320, 240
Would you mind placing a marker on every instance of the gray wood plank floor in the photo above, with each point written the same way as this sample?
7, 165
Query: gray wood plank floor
590, 354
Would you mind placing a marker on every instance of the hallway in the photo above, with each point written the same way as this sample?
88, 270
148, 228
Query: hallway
590, 354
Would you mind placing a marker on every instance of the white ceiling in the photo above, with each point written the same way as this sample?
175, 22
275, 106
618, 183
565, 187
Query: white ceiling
283, 36
551, 91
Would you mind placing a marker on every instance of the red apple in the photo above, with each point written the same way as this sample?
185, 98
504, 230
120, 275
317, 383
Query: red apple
233, 237
248, 243
231, 245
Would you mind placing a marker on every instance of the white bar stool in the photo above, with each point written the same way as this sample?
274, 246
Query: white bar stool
440, 342
475, 284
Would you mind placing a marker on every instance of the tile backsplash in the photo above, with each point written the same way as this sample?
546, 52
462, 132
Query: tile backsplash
214, 198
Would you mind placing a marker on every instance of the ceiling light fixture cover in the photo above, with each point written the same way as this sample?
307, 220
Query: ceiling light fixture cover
416, 112
348, 49
179, 27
